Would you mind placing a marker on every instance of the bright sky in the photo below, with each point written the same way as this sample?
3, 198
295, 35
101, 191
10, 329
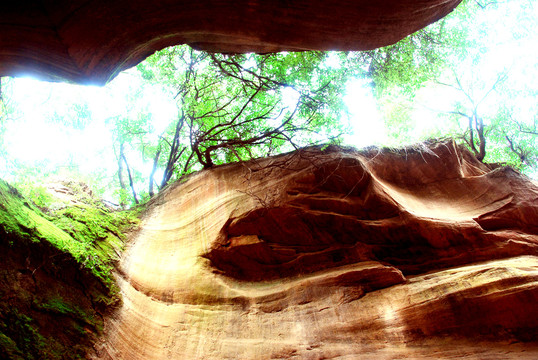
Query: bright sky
511, 35
36, 140
368, 126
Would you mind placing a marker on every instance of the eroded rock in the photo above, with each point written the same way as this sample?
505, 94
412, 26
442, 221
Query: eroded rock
326, 253
92, 41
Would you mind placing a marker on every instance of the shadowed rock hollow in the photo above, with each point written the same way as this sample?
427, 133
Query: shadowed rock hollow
335, 254
93, 40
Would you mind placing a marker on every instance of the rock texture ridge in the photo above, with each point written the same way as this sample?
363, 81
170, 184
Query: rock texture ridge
93, 40
334, 253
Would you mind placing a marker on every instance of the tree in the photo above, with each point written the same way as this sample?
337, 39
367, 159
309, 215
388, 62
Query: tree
7, 115
4, 113
3, 116
238, 107
130, 135
514, 128
413, 61
464, 56
468, 108
230, 108
234, 108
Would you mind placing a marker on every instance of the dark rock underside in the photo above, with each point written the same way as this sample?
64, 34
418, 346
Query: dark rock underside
91, 41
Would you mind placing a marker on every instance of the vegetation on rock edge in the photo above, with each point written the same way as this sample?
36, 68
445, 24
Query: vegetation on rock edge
74, 244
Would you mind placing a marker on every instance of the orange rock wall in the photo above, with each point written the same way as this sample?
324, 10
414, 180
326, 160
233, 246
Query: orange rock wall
91, 41
335, 254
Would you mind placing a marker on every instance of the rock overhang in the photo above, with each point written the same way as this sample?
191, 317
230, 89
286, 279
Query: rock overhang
91, 41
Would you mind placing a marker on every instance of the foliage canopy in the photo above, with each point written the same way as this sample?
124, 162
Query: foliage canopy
232, 108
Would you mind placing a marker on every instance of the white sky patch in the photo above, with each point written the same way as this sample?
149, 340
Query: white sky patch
111, 100
33, 141
368, 127
250, 63
290, 97
332, 60
33, 137
162, 106
431, 101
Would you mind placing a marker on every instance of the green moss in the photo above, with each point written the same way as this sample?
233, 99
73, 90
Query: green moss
80, 232
39, 195
20, 335
21, 220
90, 233
100, 232
59, 306
82, 321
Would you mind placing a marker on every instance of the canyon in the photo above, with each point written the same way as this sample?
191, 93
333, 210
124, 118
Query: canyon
321, 253
334, 253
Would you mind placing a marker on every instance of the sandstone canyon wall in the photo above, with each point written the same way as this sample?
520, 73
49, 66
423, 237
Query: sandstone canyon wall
91, 41
334, 253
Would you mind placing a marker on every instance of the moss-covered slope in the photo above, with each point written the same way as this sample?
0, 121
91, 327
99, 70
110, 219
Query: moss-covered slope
56, 277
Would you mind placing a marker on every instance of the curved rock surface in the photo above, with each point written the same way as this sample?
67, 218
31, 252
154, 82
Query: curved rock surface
91, 41
335, 253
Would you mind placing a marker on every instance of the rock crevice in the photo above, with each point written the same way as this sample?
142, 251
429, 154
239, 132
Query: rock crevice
335, 252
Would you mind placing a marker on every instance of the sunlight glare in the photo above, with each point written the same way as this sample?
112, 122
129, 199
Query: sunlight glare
368, 127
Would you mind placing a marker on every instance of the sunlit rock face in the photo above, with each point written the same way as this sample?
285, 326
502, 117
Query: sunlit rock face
93, 40
417, 253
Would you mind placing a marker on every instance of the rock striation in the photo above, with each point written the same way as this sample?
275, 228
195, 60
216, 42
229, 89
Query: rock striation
91, 41
335, 253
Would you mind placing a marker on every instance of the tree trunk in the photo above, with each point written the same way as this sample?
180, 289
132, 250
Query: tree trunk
479, 123
131, 182
153, 170
174, 154
120, 175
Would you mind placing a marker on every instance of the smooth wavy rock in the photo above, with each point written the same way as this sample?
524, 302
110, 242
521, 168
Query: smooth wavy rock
335, 253
91, 41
